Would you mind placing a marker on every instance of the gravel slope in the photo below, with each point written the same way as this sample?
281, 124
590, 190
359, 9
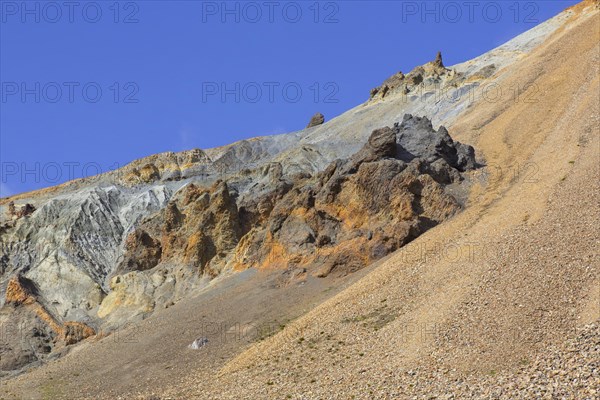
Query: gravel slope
466, 309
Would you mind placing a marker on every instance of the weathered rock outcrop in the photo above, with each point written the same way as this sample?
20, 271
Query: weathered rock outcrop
20, 211
354, 212
29, 331
114, 247
432, 75
196, 226
142, 252
438, 63
418, 139
20, 290
101, 255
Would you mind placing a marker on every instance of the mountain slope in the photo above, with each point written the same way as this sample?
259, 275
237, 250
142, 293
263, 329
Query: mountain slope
486, 290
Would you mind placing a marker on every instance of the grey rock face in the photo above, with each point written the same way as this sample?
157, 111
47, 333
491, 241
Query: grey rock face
416, 138
381, 144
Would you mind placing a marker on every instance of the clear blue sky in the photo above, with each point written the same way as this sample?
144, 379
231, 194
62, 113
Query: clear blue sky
161, 66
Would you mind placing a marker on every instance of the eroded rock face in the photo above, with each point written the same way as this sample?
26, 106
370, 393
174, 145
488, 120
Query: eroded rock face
29, 330
197, 226
353, 213
142, 252
101, 255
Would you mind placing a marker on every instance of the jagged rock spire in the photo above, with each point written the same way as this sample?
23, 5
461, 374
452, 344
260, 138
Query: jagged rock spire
438, 60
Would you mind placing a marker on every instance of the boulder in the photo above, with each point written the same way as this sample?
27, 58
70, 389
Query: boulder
317, 119
198, 343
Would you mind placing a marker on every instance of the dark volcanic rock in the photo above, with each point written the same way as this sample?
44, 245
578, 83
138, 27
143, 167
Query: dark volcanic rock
381, 144
360, 209
417, 139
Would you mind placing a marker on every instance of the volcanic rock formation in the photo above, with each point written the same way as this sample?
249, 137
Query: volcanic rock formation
341, 219
317, 204
115, 247
126, 252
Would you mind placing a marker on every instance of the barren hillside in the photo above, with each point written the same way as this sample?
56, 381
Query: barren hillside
374, 256
471, 305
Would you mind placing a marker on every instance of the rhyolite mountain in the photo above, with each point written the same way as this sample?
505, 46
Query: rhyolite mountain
89, 255
374, 255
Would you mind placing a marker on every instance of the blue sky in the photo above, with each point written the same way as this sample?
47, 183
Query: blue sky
89, 87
